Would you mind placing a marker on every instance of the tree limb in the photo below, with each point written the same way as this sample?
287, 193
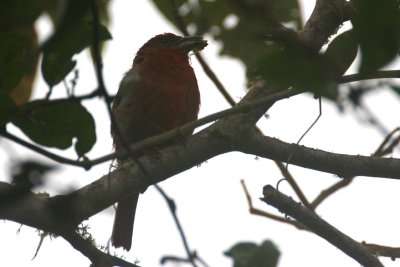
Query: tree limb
320, 227
342, 165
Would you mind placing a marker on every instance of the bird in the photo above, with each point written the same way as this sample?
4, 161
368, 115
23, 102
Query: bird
159, 93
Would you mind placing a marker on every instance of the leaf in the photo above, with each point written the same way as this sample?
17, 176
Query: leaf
9, 111
72, 15
342, 51
18, 14
14, 55
18, 47
249, 254
266, 255
377, 26
58, 124
297, 67
55, 67
58, 51
241, 253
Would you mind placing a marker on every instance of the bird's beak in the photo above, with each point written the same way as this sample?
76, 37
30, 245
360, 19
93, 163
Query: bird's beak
189, 43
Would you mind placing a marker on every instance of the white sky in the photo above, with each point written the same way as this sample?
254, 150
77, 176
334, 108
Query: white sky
211, 204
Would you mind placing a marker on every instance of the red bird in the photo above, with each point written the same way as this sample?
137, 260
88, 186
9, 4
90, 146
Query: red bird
157, 94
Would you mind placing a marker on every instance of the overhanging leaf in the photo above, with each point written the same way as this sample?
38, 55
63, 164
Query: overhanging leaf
9, 111
342, 51
58, 52
300, 68
377, 26
22, 92
58, 123
14, 55
18, 14
55, 67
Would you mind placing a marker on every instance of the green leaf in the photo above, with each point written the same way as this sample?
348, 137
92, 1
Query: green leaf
14, 56
9, 111
267, 255
18, 13
248, 254
59, 50
55, 67
18, 47
377, 26
342, 51
297, 67
73, 13
58, 124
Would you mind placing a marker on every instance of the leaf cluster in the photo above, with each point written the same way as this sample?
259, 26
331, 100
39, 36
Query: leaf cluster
59, 124
262, 37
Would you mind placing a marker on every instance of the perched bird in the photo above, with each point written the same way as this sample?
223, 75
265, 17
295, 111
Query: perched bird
157, 94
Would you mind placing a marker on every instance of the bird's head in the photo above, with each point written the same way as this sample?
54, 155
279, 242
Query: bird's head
172, 42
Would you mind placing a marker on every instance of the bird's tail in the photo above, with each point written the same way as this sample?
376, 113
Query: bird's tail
123, 222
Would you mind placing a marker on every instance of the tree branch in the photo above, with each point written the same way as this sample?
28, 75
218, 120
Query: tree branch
383, 251
268, 215
229, 134
342, 165
191, 256
290, 179
324, 21
384, 149
320, 227
382, 74
96, 256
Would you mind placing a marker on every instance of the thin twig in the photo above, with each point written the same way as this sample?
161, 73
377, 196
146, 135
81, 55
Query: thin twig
85, 164
383, 251
382, 150
268, 215
307, 131
324, 194
98, 63
206, 68
172, 207
290, 179
99, 76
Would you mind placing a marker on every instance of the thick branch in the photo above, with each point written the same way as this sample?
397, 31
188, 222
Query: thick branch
326, 18
96, 256
340, 164
228, 134
320, 227
56, 213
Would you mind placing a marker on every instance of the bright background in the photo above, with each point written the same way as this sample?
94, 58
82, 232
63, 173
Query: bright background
211, 203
